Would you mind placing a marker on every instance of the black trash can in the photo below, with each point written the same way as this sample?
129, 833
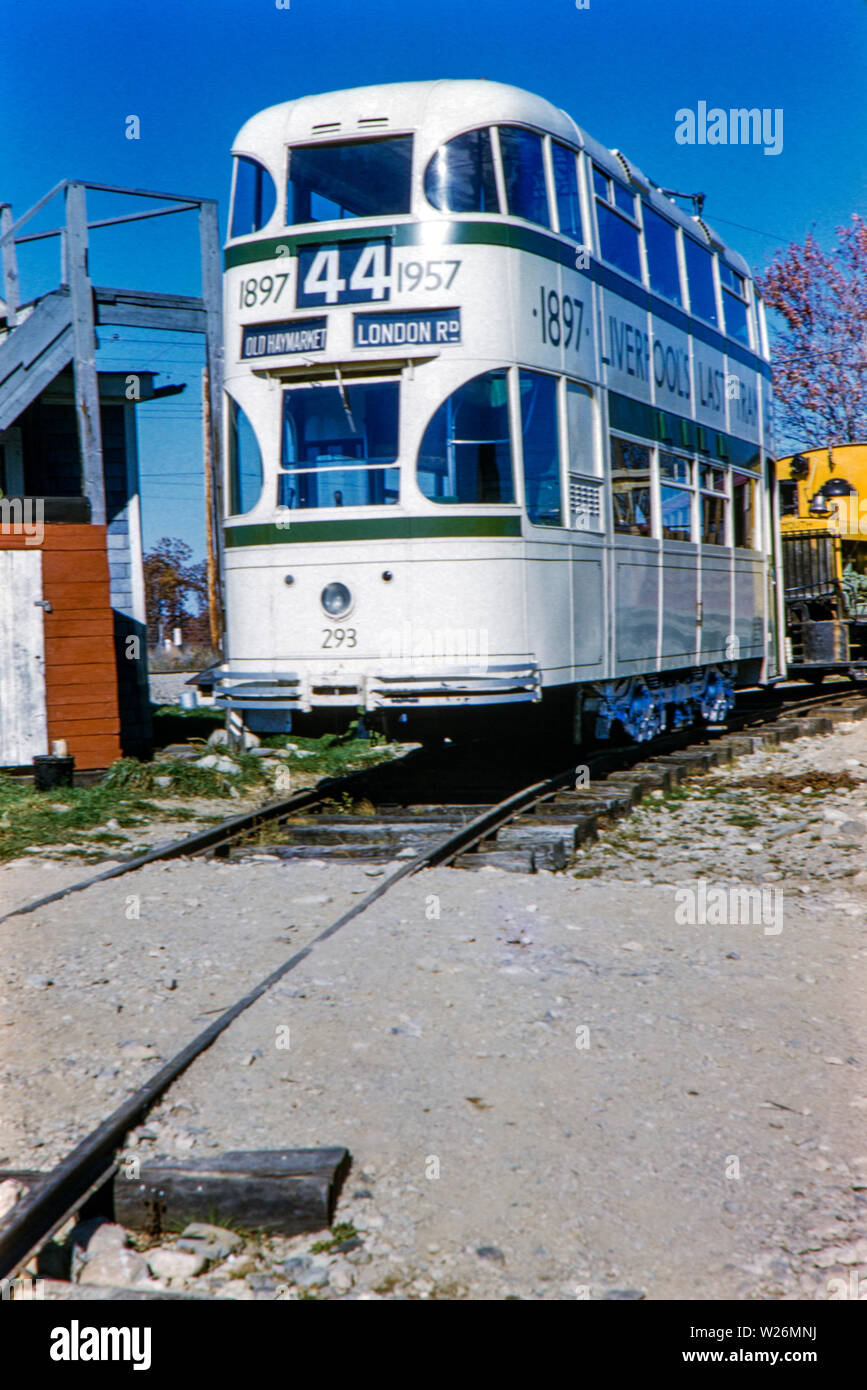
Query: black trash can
50, 771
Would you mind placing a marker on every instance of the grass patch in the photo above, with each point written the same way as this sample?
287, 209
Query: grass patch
343, 1230
62, 816
333, 755
29, 818
172, 724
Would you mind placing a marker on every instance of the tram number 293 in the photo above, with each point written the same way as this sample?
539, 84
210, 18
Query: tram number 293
338, 637
560, 318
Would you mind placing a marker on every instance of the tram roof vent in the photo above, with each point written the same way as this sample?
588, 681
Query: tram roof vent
369, 121
326, 127
632, 172
713, 237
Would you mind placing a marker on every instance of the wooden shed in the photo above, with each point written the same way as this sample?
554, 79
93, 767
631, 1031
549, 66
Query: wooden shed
72, 616
73, 640
58, 673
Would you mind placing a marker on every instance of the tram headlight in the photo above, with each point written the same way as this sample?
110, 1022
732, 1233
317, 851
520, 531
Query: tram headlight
336, 600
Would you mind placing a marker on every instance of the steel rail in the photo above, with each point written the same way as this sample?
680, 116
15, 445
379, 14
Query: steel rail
39, 1215
233, 828
35, 1219
236, 827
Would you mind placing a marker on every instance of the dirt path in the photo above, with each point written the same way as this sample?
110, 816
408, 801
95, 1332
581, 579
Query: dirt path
552, 1086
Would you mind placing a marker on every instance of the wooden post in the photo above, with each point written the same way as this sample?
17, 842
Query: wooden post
282, 1192
84, 352
211, 561
10, 268
212, 292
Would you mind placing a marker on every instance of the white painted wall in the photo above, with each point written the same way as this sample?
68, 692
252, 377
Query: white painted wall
23, 727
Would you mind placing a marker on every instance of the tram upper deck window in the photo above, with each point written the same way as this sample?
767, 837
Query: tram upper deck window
466, 451
337, 446
254, 198
524, 174
630, 487
618, 229
540, 431
566, 190
359, 178
660, 239
734, 303
460, 176
245, 462
699, 273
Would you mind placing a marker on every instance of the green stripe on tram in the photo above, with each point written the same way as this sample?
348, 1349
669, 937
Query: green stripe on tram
407, 234
537, 243
373, 528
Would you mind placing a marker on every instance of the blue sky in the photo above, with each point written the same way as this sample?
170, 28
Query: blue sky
194, 71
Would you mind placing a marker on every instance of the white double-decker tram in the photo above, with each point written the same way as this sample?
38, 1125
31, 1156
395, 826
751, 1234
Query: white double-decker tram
498, 424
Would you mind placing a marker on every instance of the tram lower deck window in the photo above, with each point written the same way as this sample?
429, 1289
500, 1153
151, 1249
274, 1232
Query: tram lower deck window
675, 496
337, 446
245, 462
743, 511
714, 503
466, 451
713, 520
542, 489
630, 487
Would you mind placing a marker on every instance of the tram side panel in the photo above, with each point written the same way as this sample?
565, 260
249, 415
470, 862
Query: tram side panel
639, 601
552, 313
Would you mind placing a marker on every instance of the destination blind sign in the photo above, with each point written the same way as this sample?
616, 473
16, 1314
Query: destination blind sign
435, 328
277, 339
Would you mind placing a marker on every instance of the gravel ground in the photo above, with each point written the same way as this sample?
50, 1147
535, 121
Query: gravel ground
166, 686
555, 1086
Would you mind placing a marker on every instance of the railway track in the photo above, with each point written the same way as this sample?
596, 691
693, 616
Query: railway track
528, 827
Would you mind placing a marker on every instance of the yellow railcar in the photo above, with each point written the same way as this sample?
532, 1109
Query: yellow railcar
823, 526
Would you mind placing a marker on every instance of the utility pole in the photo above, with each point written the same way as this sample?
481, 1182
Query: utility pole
210, 520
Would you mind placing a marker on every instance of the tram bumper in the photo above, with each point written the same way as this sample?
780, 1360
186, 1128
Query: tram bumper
260, 697
499, 685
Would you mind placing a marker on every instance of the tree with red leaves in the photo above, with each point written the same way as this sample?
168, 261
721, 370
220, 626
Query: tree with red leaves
820, 357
